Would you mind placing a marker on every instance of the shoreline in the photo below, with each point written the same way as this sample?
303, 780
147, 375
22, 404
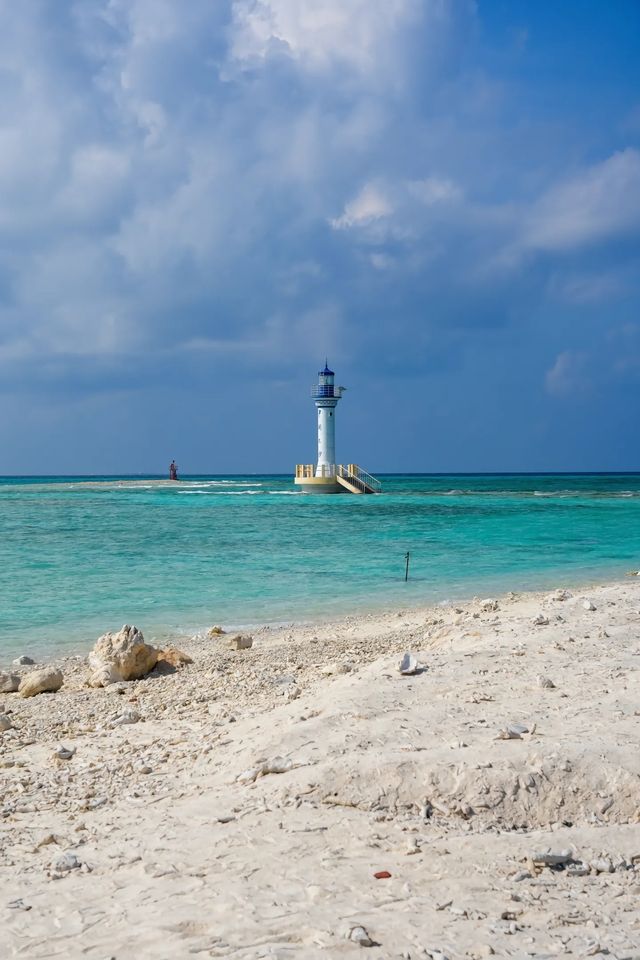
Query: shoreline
240, 806
169, 636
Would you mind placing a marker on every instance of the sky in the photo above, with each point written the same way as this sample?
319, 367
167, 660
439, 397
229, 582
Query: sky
200, 200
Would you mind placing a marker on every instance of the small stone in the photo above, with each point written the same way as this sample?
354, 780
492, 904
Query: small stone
489, 605
277, 765
552, 858
127, 716
9, 682
578, 870
408, 665
588, 605
63, 753
601, 865
47, 680
540, 620
591, 948
68, 861
562, 595
249, 775
23, 661
241, 642
174, 658
513, 732
215, 631
360, 935
5, 723
345, 667
545, 683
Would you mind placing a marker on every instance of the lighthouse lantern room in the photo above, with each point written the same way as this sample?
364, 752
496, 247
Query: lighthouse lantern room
327, 476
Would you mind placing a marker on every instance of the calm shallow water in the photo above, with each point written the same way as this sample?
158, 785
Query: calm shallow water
82, 558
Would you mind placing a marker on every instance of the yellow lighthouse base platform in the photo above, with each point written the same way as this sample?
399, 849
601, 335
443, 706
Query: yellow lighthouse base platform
346, 479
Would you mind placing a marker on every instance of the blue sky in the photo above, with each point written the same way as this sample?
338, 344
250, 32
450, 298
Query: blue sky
202, 199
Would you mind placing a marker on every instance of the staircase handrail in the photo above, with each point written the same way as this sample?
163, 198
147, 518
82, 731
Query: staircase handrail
360, 476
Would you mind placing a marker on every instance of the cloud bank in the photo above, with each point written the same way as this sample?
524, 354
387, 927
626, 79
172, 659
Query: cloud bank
212, 193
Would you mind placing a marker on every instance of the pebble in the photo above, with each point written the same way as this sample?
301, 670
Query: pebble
412, 847
5, 723
63, 753
408, 665
23, 661
489, 605
68, 861
241, 642
9, 682
552, 858
540, 620
127, 716
546, 683
276, 765
513, 732
361, 936
588, 605
590, 948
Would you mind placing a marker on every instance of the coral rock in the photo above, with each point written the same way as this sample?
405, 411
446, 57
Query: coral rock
47, 680
174, 657
241, 642
121, 656
9, 682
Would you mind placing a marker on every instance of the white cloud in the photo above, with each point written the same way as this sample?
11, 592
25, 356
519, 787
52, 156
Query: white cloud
368, 205
433, 190
567, 375
320, 34
598, 203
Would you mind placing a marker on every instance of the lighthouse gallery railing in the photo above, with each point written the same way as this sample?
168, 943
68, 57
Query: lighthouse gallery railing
351, 472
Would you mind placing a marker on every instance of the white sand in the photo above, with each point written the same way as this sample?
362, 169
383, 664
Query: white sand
178, 858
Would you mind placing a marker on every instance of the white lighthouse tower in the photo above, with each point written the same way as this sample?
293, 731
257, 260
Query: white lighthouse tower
326, 396
327, 476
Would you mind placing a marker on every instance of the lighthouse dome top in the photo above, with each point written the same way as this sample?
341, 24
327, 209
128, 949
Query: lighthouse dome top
326, 372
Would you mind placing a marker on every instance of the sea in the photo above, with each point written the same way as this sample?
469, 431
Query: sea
83, 555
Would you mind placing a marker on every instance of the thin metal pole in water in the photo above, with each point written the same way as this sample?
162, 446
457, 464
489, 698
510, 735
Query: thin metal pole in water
406, 569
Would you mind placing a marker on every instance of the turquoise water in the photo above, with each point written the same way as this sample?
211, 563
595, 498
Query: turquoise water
80, 558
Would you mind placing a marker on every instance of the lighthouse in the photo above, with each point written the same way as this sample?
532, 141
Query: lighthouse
326, 396
327, 476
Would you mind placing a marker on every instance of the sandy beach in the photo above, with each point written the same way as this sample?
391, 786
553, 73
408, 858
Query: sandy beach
242, 805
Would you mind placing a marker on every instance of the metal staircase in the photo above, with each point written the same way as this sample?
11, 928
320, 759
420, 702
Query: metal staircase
356, 480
